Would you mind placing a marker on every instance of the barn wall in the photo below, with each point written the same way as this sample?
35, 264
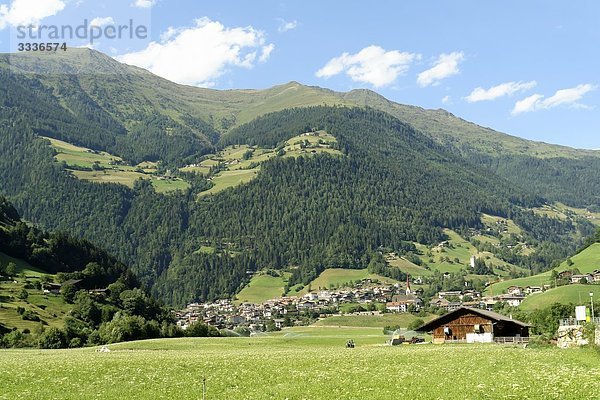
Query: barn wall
462, 325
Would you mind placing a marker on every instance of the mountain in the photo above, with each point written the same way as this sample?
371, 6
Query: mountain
387, 178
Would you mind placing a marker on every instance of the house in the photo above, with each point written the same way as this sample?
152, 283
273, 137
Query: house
596, 275
513, 301
472, 325
582, 278
515, 291
53, 288
401, 303
533, 289
450, 293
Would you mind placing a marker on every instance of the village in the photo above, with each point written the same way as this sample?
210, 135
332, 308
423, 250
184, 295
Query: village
365, 297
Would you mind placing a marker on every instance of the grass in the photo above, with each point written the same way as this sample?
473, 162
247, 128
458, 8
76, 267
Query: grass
337, 277
114, 171
494, 222
457, 248
263, 287
22, 266
81, 156
238, 170
409, 268
576, 294
562, 211
300, 363
586, 261
227, 179
370, 321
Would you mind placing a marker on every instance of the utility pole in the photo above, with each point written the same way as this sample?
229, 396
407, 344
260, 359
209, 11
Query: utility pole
592, 304
203, 388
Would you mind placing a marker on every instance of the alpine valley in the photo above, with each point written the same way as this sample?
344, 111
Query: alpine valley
196, 190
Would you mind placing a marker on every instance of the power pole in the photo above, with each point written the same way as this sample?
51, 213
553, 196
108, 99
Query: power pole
203, 388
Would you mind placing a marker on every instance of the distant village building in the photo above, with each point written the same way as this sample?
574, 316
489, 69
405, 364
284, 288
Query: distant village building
582, 278
472, 325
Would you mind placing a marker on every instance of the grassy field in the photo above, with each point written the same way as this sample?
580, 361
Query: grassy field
576, 294
263, 287
443, 258
241, 163
370, 321
114, 171
49, 308
300, 363
586, 261
337, 277
22, 266
562, 211
81, 156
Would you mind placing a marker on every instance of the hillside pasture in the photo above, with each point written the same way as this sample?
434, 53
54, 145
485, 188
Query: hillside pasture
263, 287
576, 294
240, 164
113, 169
338, 277
586, 261
300, 363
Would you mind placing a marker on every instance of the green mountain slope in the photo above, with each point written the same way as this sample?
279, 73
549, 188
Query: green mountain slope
385, 185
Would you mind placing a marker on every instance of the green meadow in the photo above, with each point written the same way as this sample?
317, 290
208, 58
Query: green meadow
300, 363
241, 163
263, 287
586, 261
113, 170
49, 308
576, 294
337, 277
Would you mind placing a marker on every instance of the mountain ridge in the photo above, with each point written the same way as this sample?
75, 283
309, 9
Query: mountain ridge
243, 105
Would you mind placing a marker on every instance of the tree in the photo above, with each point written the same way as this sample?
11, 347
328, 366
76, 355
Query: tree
415, 324
11, 269
53, 338
68, 292
200, 329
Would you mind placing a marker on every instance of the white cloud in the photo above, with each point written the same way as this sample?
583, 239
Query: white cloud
200, 54
445, 66
28, 12
100, 22
447, 100
285, 26
527, 104
144, 3
569, 96
371, 65
266, 52
504, 89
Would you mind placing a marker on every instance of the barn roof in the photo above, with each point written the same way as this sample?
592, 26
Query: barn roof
444, 319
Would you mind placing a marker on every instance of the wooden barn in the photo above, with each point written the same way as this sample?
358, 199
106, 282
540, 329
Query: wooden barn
473, 325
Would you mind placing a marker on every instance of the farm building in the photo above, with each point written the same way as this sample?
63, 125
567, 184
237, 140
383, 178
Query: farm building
472, 325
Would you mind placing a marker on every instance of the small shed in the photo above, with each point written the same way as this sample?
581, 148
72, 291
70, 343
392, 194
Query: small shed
473, 325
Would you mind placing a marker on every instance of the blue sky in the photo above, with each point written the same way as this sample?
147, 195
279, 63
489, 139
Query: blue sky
528, 68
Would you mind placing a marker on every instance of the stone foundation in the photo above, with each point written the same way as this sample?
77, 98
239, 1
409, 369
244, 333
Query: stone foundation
572, 336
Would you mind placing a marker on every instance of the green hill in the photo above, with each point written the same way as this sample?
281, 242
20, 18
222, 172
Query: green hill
98, 300
585, 261
575, 294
